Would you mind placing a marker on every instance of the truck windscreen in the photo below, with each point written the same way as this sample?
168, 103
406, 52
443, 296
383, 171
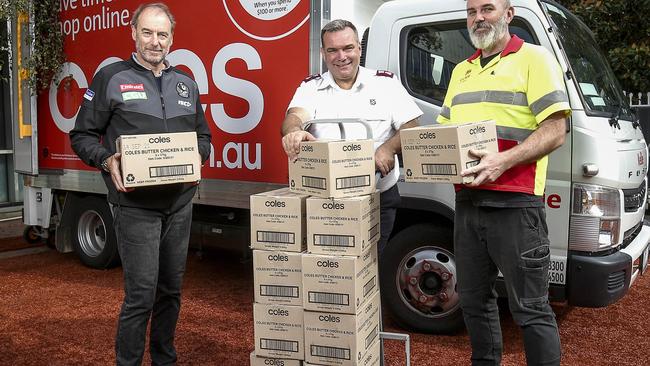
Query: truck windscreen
599, 88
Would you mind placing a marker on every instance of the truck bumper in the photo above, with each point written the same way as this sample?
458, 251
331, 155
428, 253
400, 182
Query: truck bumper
600, 281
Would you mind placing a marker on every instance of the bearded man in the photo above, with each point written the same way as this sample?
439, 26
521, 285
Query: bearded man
500, 223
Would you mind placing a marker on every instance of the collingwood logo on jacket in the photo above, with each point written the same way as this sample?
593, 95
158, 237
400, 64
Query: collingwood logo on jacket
182, 90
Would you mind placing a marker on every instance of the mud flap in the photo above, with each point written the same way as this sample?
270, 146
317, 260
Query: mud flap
37, 205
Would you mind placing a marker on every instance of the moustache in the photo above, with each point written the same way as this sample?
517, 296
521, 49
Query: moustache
480, 25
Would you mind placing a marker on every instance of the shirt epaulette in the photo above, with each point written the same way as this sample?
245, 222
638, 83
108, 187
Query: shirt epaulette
384, 73
311, 77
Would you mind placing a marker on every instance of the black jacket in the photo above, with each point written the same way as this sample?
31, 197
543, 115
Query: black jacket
125, 98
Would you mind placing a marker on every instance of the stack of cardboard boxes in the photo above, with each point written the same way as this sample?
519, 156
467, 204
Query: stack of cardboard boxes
278, 239
321, 306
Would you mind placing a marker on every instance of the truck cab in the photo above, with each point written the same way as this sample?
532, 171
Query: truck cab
596, 183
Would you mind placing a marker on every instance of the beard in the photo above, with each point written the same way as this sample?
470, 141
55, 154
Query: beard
488, 40
153, 59
147, 54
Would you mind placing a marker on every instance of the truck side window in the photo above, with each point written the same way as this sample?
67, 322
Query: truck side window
431, 51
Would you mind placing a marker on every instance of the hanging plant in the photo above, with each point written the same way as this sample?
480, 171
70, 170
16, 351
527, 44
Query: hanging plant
47, 55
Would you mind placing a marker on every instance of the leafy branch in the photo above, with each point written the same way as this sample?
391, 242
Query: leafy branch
47, 55
623, 33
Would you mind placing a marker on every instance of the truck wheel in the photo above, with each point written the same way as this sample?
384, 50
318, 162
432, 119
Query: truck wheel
93, 234
418, 280
32, 235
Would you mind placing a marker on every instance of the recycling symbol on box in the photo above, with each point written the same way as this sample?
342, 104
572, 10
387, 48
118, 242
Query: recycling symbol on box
409, 172
130, 178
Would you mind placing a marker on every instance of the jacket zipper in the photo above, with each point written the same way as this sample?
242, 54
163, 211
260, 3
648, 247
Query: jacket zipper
162, 101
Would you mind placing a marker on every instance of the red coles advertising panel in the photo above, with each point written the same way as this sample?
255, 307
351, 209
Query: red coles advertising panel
247, 57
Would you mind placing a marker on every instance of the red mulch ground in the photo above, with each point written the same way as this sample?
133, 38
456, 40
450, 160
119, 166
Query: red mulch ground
10, 244
54, 311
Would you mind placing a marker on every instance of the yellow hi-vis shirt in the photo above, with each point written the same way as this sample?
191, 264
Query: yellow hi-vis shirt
518, 89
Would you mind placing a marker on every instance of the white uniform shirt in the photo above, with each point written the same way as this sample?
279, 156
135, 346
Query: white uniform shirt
376, 96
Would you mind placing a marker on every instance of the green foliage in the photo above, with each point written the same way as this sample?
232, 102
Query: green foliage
8, 9
12, 7
47, 56
623, 33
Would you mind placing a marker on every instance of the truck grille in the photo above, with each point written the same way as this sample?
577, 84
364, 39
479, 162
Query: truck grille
631, 234
634, 198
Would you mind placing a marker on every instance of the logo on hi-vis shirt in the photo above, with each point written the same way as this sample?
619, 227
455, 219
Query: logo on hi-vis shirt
132, 91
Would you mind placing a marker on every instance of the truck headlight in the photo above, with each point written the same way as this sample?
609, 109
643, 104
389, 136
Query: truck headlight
595, 218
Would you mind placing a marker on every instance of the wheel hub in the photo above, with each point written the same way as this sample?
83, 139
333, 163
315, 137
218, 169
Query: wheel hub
91, 233
427, 280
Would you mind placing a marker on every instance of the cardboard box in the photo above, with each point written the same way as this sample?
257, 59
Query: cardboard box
344, 226
277, 277
161, 158
279, 331
372, 357
438, 153
334, 168
265, 361
342, 339
340, 284
278, 220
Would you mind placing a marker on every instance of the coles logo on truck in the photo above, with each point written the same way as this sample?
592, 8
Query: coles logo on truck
244, 86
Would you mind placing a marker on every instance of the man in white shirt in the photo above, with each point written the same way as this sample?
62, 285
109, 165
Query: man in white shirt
348, 90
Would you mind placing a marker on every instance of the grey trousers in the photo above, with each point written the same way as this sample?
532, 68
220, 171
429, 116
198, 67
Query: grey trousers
514, 241
153, 248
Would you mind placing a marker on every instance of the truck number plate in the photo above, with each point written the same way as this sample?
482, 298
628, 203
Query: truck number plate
557, 270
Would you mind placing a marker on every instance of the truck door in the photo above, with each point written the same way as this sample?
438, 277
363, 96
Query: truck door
430, 47
23, 102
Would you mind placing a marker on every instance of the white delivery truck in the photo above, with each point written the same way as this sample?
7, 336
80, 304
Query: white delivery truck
248, 57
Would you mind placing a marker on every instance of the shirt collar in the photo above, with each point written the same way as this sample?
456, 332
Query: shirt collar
513, 46
328, 80
165, 63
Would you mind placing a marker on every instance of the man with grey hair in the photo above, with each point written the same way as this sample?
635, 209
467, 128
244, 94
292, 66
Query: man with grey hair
500, 222
144, 95
348, 90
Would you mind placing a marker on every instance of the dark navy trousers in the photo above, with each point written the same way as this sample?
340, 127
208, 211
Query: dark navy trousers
389, 201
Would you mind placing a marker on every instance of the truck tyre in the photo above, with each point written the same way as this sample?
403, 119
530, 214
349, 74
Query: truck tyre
418, 280
31, 234
93, 235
